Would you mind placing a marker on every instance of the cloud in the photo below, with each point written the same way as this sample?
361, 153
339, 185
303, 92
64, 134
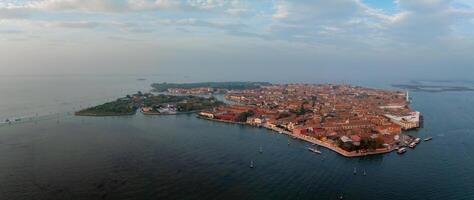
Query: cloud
326, 22
341, 23
11, 31
353, 23
202, 23
80, 25
118, 6
207, 4
12, 14
426, 21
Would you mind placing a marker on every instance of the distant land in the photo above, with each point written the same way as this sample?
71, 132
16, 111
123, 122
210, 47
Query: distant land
433, 88
211, 86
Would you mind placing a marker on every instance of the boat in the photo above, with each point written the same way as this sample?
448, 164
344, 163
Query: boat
428, 139
314, 150
401, 150
365, 173
261, 150
417, 140
355, 171
251, 164
412, 145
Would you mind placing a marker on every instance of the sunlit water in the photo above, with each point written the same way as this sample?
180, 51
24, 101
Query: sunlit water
60, 156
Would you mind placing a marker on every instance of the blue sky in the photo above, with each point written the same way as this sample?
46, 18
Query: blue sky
306, 40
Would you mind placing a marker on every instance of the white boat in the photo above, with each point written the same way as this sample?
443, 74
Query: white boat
314, 150
417, 140
412, 145
251, 164
428, 139
401, 150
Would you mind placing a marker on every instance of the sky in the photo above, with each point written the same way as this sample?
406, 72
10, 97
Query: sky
274, 40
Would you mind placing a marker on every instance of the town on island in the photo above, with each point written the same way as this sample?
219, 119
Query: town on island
351, 120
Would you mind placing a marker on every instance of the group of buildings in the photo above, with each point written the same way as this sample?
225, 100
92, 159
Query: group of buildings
350, 117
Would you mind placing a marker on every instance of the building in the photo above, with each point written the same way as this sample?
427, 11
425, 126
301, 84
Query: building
407, 122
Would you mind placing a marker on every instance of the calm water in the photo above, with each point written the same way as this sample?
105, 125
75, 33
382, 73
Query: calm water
181, 157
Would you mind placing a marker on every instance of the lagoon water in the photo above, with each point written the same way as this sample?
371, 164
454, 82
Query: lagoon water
55, 155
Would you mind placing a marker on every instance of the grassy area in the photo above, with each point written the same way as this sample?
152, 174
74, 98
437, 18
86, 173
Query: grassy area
128, 105
118, 107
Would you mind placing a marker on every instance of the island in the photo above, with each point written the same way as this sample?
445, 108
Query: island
350, 120
151, 104
205, 87
433, 88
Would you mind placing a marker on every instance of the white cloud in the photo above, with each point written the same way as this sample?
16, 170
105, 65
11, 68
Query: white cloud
281, 11
232, 6
426, 21
79, 24
207, 4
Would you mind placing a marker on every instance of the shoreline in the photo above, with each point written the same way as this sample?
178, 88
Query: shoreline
305, 138
311, 140
177, 113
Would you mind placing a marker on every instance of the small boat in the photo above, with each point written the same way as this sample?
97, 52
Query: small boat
280, 132
412, 145
365, 173
428, 139
251, 164
261, 150
401, 150
314, 150
417, 140
355, 171
341, 197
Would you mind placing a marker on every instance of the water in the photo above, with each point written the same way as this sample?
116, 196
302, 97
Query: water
182, 157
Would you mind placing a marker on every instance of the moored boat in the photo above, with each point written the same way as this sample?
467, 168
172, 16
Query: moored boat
314, 150
417, 140
401, 150
428, 139
412, 145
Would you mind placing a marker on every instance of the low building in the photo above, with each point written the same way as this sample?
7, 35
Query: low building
407, 122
